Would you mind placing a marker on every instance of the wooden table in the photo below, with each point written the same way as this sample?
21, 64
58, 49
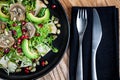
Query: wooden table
60, 72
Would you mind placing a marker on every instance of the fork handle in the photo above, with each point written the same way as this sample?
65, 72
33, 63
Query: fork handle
79, 72
94, 72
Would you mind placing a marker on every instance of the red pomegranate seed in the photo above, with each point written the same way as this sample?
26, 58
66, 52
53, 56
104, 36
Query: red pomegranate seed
26, 68
23, 23
19, 50
27, 71
53, 6
37, 34
15, 46
7, 50
26, 37
19, 40
24, 31
40, 25
22, 37
14, 32
43, 63
14, 24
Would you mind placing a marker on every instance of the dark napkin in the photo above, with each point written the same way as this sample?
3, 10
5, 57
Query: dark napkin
107, 59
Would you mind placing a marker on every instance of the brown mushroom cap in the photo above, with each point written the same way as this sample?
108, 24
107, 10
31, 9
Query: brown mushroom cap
6, 40
30, 29
17, 12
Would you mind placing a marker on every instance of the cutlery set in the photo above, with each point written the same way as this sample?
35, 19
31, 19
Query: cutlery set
81, 23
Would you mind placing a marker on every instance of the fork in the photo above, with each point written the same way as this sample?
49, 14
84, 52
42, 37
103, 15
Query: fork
81, 23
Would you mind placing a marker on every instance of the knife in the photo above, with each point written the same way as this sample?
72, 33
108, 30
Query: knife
96, 39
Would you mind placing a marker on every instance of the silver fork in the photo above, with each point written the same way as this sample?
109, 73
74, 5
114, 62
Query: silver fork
81, 23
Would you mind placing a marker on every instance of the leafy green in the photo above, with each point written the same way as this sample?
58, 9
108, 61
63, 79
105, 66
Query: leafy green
29, 4
18, 30
13, 56
42, 12
44, 37
1, 54
44, 32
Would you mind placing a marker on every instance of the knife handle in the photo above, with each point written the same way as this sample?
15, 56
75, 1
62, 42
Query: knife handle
94, 72
79, 72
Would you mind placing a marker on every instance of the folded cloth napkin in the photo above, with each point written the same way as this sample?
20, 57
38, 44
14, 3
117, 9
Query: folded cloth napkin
107, 58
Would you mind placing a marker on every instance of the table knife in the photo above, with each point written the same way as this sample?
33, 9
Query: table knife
96, 39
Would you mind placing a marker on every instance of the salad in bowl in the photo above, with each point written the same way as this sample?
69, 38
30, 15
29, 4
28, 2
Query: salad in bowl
27, 32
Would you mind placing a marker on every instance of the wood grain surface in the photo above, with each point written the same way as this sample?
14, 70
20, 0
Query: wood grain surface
60, 72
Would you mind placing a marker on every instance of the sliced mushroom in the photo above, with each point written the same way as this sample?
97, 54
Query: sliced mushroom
17, 12
30, 29
39, 5
6, 40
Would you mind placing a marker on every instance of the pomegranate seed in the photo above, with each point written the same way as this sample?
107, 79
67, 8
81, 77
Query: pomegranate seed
22, 37
14, 24
27, 71
15, 46
14, 32
19, 50
43, 63
7, 50
53, 6
24, 31
26, 37
23, 23
26, 68
40, 25
37, 34
19, 40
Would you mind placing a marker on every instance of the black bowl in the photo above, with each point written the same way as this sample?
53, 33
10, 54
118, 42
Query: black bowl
53, 58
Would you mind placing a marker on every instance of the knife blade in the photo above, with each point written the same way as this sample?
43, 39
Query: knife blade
96, 39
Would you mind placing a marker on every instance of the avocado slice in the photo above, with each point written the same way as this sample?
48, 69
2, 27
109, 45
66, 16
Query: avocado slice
28, 53
38, 20
3, 17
